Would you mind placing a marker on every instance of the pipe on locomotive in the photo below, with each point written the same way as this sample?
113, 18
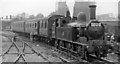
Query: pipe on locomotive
92, 12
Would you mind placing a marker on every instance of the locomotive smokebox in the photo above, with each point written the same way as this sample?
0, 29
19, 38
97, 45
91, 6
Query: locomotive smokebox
92, 12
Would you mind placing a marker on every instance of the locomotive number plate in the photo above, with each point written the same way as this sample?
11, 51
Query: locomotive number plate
95, 24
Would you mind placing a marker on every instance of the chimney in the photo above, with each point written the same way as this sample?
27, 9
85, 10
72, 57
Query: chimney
6, 17
92, 12
10, 16
1, 17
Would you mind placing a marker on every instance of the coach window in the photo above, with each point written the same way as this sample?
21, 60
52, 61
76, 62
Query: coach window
20, 25
30, 25
44, 24
27, 25
56, 22
17, 25
35, 25
41, 24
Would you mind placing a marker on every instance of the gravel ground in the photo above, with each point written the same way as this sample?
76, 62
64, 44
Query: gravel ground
39, 47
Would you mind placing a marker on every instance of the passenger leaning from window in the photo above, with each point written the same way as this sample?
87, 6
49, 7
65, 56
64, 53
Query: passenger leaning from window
112, 38
14, 38
31, 36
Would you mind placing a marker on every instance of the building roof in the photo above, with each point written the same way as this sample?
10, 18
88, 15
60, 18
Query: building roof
111, 23
82, 7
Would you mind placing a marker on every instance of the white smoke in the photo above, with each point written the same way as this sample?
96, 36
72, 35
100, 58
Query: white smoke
70, 4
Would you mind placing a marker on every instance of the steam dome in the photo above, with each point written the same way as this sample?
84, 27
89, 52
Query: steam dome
81, 17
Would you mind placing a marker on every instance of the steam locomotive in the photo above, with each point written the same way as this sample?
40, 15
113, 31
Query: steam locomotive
79, 36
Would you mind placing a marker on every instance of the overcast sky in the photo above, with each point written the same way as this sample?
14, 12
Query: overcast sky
14, 7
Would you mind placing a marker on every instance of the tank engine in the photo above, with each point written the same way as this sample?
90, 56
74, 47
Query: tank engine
81, 36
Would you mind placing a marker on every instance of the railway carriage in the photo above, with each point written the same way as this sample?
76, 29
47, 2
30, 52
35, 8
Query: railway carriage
46, 28
43, 28
31, 26
18, 26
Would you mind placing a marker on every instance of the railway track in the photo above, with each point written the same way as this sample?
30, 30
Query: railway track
75, 58
71, 57
38, 53
55, 54
91, 58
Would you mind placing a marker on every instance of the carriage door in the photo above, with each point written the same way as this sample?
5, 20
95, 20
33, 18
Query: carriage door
54, 25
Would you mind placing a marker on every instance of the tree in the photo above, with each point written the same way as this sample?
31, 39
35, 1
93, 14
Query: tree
52, 13
31, 17
22, 16
39, 15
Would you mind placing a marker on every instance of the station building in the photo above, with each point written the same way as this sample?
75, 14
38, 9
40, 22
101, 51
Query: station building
61, 8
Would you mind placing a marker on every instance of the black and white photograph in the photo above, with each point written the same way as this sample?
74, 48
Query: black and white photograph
59, 31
